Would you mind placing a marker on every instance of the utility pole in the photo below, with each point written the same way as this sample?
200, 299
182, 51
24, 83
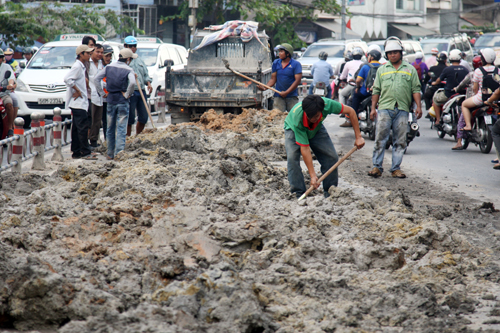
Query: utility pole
342, 13
193, 4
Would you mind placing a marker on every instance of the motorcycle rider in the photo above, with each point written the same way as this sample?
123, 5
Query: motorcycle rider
495, 129
9, 59
338, 70
350, 69
5, 95
468, 85
361, 92
431, 61
419, 64
436, 71
322, 72
452, 75
488, 57
396, 84
464, 62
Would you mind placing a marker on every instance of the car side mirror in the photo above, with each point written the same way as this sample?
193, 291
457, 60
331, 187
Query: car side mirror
168, 62
22, 64
7, 75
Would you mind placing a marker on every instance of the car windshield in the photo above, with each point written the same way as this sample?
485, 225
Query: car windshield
427, 47
488, 41
54, 57
334, 51
148, 55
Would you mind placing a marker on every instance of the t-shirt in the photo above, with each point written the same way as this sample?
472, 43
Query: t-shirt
285, 77
321, 72
478, 76
363, 73
453, 75
304, 131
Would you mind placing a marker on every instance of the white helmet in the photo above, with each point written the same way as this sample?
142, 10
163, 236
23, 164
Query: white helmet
374, 47
455, 55
419, 55
488, 55
393, 44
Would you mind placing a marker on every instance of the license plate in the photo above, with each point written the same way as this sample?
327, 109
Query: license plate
320, 91
410, 117
50, 101
487, 120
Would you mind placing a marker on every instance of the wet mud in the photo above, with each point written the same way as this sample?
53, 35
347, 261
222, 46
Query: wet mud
193, 229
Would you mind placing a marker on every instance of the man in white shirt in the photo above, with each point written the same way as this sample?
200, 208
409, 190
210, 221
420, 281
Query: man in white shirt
350, 69
95, 67
77, 101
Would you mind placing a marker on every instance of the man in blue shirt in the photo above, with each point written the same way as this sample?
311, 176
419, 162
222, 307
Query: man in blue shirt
286, 74
321, 72
361, 91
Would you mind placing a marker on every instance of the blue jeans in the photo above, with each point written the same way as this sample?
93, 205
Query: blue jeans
328, 90
398, 121
117, 115
357, 98
136, 103
323, 148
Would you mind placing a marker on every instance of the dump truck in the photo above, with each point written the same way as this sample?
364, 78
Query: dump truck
206, 83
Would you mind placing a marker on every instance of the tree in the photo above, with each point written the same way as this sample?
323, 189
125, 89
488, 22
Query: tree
278, 19
23, 23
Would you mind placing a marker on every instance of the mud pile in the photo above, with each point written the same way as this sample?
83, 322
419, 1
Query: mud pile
194, 230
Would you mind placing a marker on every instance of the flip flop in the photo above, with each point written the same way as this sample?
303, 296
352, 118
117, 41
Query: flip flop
496, 167
89, 157
494, 161
458, 148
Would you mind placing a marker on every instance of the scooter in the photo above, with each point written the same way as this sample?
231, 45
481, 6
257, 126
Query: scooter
320, 89
4, 126
412, 131
366, 125
450, 114
482, 120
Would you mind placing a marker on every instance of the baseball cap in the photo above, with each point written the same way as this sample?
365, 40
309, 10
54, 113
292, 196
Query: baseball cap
83, 48
107, 49
127, 53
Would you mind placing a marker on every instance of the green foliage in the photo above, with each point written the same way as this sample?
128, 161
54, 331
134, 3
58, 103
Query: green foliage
22, 23
484, 28
278, 19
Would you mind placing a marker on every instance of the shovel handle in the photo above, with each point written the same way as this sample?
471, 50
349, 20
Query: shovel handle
339, 162
254, 81
145, 103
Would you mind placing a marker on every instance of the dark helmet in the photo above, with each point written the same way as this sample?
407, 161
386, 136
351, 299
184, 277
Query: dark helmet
376, 55
477, 62
107, 49
323, 55
357, 53
442, 56
28, 50
348, 56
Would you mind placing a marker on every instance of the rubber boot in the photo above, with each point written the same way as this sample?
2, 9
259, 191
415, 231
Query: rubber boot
139, 127
129, 130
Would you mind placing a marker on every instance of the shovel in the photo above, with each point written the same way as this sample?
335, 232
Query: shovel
226, 63
144, 100
329, 171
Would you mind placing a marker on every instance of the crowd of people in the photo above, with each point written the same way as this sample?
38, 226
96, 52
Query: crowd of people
396, 88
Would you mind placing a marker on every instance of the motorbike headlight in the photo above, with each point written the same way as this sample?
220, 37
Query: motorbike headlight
21, 86
362, 115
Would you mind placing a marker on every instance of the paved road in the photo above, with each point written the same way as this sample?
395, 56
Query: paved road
469, 171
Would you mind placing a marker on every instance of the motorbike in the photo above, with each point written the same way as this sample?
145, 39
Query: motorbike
320, 89
450, 114
482, 120
366, 125
4, 126
412, 131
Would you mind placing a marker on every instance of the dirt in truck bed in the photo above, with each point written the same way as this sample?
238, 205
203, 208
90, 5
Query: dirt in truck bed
193, 229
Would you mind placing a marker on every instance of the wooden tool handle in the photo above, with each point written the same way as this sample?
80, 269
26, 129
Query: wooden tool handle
329, 171
257, 82
145, 103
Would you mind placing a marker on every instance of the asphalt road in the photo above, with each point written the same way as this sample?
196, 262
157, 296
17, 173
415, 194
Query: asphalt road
470, 172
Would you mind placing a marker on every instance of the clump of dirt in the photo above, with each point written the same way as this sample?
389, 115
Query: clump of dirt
248, 120
193, 229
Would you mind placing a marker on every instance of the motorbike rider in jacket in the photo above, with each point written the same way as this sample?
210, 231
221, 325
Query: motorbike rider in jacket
436, 72
361, 92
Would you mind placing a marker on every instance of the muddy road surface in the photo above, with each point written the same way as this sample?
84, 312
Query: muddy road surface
193, 229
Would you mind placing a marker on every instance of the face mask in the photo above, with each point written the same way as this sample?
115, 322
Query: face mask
8, 57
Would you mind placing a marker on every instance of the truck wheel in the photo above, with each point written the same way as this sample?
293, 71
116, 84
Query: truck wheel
177, 118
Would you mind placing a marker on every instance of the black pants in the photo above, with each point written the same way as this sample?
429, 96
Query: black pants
104, 118
429, 93
79, 133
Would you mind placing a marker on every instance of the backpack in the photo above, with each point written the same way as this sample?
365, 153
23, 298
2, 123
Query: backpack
419, 70
356, 74
370, 77
490, 82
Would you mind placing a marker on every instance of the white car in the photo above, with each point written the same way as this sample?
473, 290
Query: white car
154, 53
40, 87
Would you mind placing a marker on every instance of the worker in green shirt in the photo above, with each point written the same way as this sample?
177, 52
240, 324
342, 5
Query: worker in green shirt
395, 85
303, 129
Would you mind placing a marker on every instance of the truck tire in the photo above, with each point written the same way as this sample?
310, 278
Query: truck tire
177, 118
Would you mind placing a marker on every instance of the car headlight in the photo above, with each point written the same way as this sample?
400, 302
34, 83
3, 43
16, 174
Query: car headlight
21, 86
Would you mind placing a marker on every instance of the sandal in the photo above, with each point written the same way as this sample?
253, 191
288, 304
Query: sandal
89, 157
458, 148
494, 161
496, 167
